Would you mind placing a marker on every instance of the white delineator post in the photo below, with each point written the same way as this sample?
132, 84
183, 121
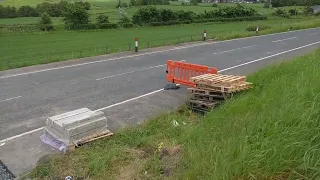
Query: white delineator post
257, 30
204, 35
136, 44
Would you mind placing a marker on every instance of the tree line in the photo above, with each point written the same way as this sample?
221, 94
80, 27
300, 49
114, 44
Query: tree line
282, 3
53, 9
150, 14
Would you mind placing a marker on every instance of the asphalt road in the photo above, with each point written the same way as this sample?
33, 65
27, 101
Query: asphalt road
29, 97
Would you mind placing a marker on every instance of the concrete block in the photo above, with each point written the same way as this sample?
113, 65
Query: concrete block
74, 125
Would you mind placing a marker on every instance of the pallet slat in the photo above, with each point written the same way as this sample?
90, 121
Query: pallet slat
218, 80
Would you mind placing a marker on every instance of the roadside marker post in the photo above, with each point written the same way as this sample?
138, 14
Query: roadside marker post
257, 30
136, 44
204, 35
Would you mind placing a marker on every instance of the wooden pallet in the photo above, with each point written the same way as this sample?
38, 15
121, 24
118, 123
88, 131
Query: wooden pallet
90, 138
202, 104
208, 92
218, 80
234, 88
208, 98
198, 110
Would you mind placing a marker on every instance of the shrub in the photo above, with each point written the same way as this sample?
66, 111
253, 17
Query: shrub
194, 2
45, 23
266, 5
85, 5
281, 13
151, 14
307, 10
102, 19
108, 26
293, 12
229, 12
124, 4
124, 20
214, 5
127, 25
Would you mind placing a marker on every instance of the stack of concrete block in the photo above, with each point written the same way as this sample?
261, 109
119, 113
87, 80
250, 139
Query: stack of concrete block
73, 126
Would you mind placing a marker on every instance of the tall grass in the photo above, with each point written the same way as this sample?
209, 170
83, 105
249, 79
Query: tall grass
269, 132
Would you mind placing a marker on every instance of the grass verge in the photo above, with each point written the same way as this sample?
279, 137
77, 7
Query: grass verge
268, 132
31, 49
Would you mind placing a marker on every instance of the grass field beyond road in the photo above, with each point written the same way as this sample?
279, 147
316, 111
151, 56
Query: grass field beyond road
29, 49
268, 132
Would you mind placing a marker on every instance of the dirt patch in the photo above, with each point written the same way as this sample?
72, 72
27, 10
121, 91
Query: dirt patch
132, 170
163, 162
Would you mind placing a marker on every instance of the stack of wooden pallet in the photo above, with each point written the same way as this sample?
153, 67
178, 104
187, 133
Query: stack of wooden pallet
211, 89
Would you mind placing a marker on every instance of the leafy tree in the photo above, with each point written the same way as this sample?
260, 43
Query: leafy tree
45, 22
76, 17
27, 11
8, 12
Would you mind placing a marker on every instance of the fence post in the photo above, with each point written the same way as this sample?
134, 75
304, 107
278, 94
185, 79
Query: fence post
136, 44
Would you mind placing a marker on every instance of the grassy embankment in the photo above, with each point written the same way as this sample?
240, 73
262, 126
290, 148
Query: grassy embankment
268, 132
21, 50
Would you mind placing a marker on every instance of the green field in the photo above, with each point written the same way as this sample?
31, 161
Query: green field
269, 132
109, 8
20, 50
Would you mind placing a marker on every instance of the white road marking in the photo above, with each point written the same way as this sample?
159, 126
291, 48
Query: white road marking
233, 49
132, 71
148, 53
159, 90
284, 39
10, 99
107, 77
314, 33
2, 144
132, 99
20, 135
263, 58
